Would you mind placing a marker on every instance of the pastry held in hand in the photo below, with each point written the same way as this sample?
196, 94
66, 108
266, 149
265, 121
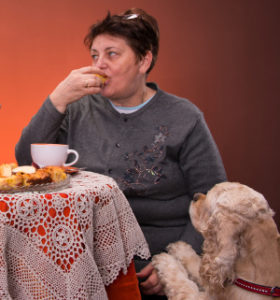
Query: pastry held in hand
102, 78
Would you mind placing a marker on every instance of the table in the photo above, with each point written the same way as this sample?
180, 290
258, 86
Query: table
67, 244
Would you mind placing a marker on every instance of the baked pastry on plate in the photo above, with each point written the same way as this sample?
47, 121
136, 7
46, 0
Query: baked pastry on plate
14, 177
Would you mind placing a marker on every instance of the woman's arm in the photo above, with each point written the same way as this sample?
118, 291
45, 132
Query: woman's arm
200, 159
46, 124
202, 166
44, 127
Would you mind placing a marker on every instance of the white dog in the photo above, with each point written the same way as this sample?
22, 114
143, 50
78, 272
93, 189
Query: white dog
241, 249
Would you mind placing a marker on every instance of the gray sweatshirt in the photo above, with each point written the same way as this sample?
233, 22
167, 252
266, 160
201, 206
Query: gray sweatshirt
159, 155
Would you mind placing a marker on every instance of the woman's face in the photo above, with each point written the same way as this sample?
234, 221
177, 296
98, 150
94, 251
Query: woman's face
114, 57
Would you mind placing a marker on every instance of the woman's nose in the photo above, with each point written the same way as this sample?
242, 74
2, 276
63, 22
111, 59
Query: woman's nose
100, 63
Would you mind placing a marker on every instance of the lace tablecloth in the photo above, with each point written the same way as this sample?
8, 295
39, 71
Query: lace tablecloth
67, 244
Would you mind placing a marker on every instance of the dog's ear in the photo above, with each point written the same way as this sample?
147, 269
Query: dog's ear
221, 249
242, 200
233, 207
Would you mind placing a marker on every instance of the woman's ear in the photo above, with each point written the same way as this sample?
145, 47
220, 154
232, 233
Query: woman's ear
146, 62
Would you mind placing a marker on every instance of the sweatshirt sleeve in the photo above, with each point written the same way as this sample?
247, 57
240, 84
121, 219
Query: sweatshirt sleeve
44, 127
202, 166
200, 159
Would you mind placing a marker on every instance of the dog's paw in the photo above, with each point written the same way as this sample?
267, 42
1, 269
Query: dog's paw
188, 258
162, 262
181, 251
167, 266
174, 278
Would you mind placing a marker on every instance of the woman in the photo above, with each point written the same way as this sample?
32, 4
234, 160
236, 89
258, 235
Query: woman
157, 146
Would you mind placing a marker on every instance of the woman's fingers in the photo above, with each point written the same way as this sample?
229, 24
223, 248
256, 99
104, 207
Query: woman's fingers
151, 281
86, 69
90, 70
155, 290
87, 77
152, 284
78, 83
146, 271
91, 80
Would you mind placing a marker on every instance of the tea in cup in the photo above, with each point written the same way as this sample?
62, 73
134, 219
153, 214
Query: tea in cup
44, 155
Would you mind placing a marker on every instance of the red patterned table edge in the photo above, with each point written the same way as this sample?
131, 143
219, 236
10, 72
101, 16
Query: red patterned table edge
67, 244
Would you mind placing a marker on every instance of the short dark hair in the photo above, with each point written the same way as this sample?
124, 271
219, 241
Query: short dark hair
138, 28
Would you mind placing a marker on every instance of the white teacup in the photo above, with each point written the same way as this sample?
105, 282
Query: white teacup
52, 155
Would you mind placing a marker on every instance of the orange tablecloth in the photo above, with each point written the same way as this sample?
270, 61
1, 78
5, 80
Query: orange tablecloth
67, 244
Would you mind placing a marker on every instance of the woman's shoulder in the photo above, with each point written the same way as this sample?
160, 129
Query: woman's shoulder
175, 102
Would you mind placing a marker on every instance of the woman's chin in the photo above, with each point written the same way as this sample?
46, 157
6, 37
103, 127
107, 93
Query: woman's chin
105, 93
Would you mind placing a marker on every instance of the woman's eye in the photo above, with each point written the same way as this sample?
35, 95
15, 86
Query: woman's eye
112, 53
94, 57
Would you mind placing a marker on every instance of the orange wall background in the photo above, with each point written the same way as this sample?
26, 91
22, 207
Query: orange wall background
222, 55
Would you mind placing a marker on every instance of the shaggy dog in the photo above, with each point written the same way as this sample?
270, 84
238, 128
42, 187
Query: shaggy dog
241, 240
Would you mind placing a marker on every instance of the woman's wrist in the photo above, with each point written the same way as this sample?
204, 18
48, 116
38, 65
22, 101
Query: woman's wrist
57, 103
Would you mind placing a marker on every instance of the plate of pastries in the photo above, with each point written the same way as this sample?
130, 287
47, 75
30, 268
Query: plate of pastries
14, 178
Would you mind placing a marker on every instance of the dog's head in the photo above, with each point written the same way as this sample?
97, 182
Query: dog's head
222, 216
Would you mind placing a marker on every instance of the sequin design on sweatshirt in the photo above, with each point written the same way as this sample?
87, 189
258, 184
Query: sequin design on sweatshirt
145, 164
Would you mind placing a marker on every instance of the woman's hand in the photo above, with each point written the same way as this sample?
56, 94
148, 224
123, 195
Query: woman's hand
77, 84
152, 284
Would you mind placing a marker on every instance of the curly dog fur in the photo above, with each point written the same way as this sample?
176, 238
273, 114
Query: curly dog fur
241, 240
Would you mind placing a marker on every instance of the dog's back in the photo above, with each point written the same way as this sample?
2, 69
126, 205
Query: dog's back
259, 253
259, 258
